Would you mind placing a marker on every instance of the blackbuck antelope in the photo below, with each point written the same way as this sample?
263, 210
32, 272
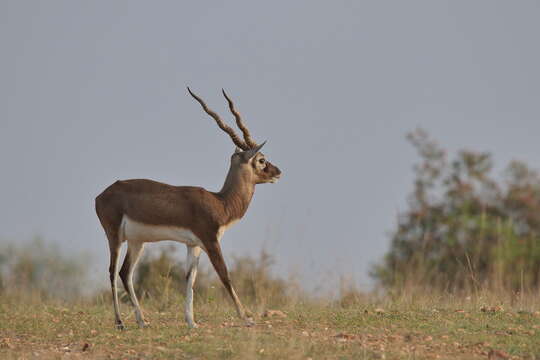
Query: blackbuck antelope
140, 211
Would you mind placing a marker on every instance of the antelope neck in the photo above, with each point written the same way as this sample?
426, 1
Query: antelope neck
236, 194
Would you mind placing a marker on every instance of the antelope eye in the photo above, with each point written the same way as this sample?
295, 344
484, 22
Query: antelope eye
262, 161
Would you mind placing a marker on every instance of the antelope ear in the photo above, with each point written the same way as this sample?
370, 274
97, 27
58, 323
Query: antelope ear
252, 152
237, 150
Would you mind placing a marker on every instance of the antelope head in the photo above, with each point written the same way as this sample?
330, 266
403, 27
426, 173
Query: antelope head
247, 161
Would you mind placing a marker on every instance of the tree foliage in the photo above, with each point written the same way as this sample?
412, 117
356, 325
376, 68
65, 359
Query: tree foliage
464, 228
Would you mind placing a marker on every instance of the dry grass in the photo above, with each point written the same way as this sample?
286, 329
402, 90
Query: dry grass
408, 327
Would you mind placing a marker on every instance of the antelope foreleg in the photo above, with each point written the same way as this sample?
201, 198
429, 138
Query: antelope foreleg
192, 262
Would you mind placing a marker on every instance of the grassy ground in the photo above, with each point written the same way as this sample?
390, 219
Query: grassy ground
423, 328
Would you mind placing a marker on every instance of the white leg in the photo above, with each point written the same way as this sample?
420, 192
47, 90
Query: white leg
192, 262
133, 255
113, 272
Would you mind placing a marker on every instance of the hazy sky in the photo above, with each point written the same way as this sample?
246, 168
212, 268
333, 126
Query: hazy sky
94, 91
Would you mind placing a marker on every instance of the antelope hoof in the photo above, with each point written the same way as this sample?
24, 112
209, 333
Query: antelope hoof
249, 322
193, 325
143, 325
120, 326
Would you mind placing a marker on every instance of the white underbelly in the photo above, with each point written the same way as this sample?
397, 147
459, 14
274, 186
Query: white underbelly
132, 230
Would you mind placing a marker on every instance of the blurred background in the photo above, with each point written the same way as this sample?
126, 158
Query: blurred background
92, 92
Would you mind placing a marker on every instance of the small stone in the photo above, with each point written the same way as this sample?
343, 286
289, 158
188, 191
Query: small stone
492, 309
497, 355
344, 337
6, 343
274, 313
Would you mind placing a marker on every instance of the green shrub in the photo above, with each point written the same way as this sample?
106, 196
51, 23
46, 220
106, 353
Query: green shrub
41, 270
162, 277
465, 230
